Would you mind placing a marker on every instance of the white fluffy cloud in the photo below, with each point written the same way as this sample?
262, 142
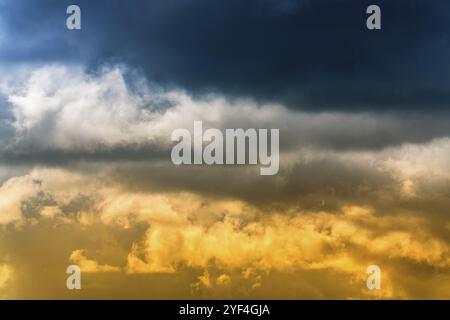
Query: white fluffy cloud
65, 108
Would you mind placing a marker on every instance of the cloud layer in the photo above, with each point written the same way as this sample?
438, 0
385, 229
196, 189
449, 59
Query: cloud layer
220, 243
92, 154
85, 171
68, 110
304, 54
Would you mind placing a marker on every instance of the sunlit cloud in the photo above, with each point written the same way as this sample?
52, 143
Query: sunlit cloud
230, 241
91, 157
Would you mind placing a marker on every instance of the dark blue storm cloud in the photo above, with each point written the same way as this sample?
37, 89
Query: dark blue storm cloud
315, 55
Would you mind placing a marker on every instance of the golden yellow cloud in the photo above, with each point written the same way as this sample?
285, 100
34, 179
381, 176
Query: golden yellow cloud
88, 265
6, 273
229, 246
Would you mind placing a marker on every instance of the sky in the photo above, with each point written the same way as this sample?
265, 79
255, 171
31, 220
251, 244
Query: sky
86, 178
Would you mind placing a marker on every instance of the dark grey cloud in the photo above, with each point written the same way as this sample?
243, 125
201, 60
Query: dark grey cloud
133, 120
305, 54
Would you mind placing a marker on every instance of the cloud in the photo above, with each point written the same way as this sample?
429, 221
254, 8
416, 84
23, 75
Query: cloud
85, 170
287, 243
313, 55
223, 279
88, 265
13, 192
6, 274
69, 109
65, 113
185, 232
